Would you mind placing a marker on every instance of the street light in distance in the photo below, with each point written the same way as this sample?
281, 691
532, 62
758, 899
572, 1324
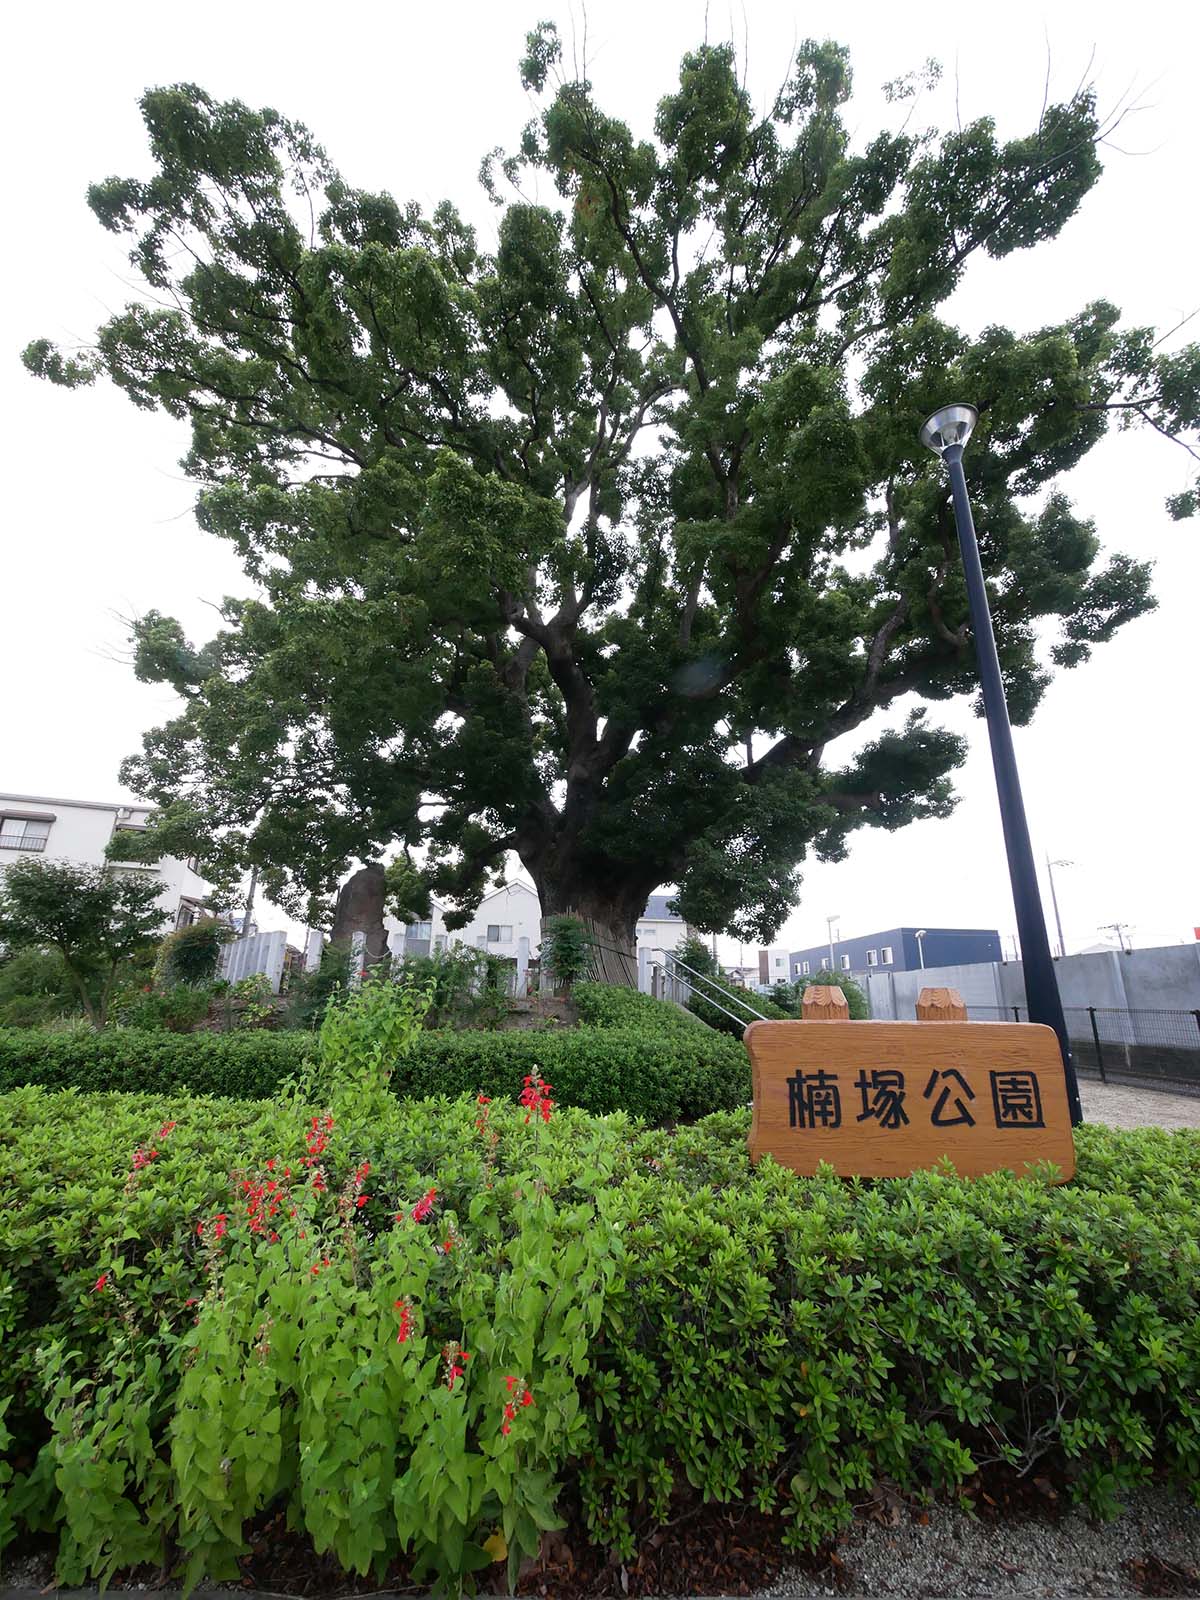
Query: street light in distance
921, 932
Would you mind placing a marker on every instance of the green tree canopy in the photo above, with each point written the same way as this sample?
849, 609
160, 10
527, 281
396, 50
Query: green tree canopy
98, 919
591, 546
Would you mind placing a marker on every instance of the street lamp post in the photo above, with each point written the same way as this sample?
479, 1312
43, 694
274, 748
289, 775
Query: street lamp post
1050, 866
829, 922
946, 434
921, 947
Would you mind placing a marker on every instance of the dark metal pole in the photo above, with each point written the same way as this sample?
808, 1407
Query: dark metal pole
1041, 985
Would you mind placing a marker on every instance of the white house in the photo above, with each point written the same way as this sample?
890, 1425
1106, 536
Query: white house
505, 917
79, 830
513, 912
659, 930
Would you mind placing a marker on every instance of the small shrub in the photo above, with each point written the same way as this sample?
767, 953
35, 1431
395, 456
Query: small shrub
566, 954
311, 992
856, 1000
192, 955
35, 987
178, 1008
722, 1005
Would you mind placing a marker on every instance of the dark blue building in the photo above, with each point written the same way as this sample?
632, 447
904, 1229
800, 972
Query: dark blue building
899, 950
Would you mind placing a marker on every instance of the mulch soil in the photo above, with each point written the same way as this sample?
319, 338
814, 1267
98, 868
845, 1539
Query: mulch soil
702, 1550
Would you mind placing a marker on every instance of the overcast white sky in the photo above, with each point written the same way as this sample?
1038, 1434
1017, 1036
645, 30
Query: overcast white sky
97, 513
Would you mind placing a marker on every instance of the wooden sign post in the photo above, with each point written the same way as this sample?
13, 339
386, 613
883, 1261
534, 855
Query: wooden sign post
883, 1099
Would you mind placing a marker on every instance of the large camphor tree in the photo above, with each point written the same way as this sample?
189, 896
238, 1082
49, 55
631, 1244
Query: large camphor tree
591, 546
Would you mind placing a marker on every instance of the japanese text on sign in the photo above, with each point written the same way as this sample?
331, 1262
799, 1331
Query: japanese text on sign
886, 1098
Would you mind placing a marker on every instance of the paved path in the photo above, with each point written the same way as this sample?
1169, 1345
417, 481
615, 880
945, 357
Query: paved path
1124, 1105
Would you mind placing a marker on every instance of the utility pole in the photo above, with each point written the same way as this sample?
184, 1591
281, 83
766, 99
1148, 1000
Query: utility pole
1050, 866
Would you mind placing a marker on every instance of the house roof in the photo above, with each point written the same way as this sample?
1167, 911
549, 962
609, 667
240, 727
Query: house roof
80, 805
516, 883
656, 909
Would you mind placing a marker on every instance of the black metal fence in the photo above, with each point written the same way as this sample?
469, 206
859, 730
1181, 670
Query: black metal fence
1145, 1043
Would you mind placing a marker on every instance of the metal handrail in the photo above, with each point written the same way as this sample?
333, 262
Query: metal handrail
693, 978
18, 841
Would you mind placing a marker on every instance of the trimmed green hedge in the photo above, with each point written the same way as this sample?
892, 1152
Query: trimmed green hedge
249, 1066
660, 1065
607, 1005
658, 1075
684, 1325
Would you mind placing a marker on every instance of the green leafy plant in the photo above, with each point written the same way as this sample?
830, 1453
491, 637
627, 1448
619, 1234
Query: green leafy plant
177, 1008
192, 954
311, 992
35, 987
566, 954
789, 997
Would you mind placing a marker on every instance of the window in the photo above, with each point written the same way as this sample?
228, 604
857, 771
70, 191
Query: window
886, 953
193, 864
804, 968
845, 963
779, 961
24, 833
418, 930
872, 958
499, 933
186, 915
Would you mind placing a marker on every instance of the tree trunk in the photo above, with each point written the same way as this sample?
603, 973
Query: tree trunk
609, 915
360, 910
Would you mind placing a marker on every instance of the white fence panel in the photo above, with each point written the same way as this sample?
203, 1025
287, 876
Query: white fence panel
261, 952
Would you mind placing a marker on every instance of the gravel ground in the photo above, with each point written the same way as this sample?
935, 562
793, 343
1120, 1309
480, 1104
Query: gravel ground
958, 1555
1130, 1106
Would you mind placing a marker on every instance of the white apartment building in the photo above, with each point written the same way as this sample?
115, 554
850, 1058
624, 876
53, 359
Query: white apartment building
79, 830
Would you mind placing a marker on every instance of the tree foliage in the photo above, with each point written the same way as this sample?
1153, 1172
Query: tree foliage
97, 919
593, 544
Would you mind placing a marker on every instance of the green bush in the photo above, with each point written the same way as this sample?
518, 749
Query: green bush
650, 1073
683, 1324
790, 996
609, 1005
661, 1073
566, 953
35, 987
243, 1065
192, 954
179, 1008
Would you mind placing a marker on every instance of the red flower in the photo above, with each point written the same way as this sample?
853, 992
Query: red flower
448, 1246
405, 1328
98, 1286
527, 1398
512, 1384
361, 1201
424, 1206
271, 1164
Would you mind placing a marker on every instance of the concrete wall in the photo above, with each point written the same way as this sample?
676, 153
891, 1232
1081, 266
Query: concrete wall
1164, 978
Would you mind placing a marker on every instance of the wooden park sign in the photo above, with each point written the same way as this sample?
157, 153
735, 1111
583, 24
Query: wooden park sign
883, 1099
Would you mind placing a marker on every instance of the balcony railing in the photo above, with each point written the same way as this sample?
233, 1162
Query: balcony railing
18, 841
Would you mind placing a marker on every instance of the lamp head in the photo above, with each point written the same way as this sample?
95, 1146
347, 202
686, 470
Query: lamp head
921, 932
951, 425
